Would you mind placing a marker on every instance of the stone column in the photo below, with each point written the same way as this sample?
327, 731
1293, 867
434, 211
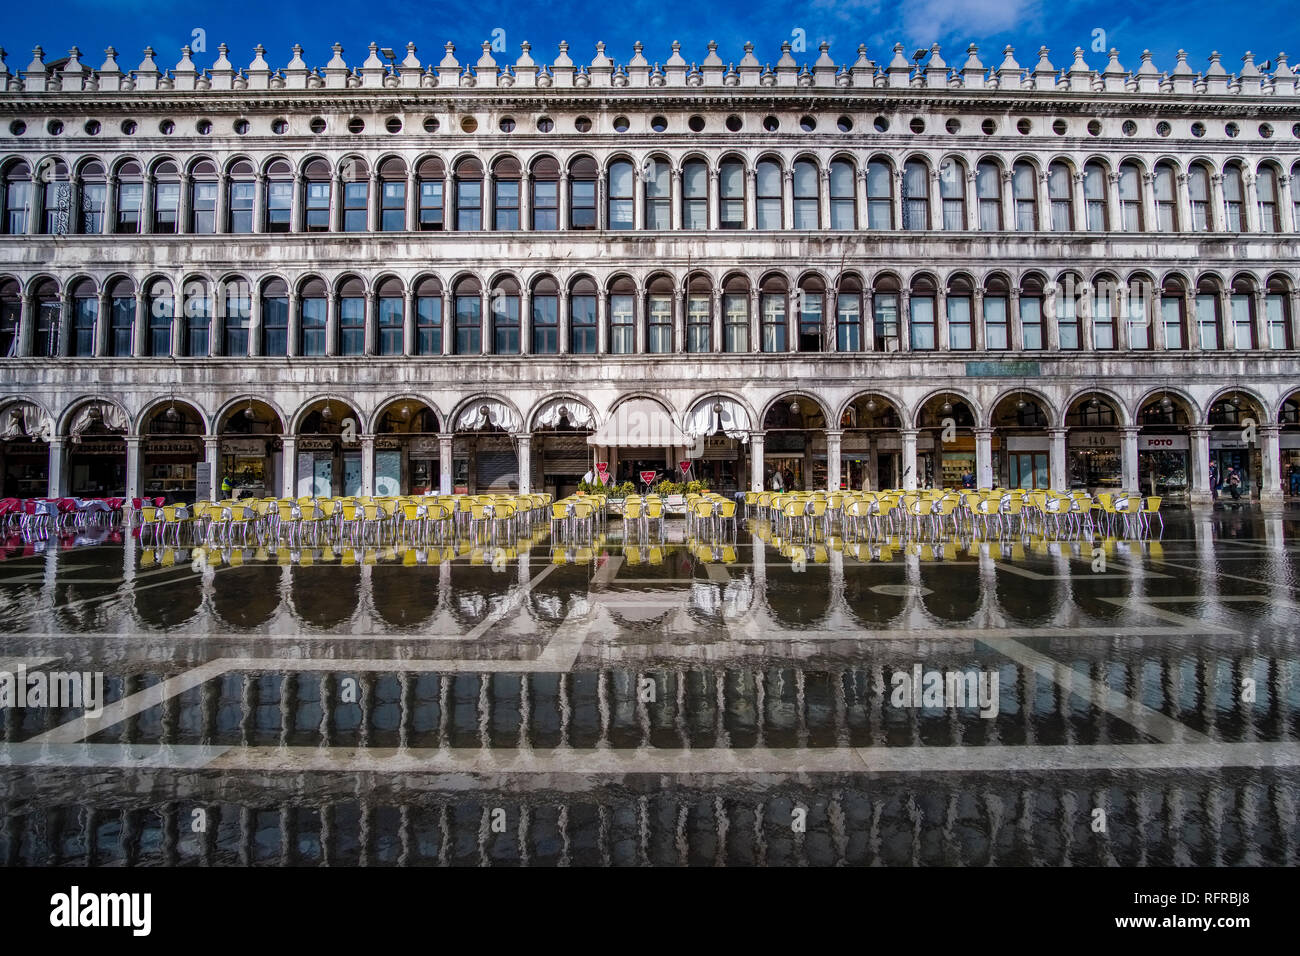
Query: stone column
255, 321
751, 198
564, 323
1271, 464
1052, 320
140, 331
941, 319
979, 337
1286, 211
525, 202
830, 320
212, 455
1129, 458
793, 306
1149, 203
714, 199
485, 322
756, 471
222, 223
602, 323
66, 306
905, 320
717, 333
1056, 464
289, 467
367, 464
110, 205
448, 321
56, 487
787, 198
1183, 197
147, 203
909, 458
296, 213
444, 464
524, 447
1258, 319
525, 320
868, 320
1016, 332
184, 205
984, 458
563, 194
259, 204
293, 344
755, 321
1200, 493
833, 436
408, 321
1250, 199
1218, 214
332, 323
679, 320
824, 198
638, 198
132, 467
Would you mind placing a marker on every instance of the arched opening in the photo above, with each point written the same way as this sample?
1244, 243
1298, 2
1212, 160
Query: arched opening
1021, 445
871, 445
171, 451
1234, 449
794, 444
407, 450
945, 444
484, 457
25, 450
1093, 444
251, 449
1289, 440
561, 456
328, 450
97, 450
1164, 446
720, 427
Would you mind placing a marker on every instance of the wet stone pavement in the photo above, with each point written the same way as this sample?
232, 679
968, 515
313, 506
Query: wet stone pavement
675, 702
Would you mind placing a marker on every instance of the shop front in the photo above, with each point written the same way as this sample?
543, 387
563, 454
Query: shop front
407, 450
720, 429
1020, 447
328, 451
945, 446
97, 451
561, 456
794, 455
1028, 460
1095, 461
24, 451
251, 451
1164, 464
170, 453
485, 459
870, 446
1230, 449
640, 435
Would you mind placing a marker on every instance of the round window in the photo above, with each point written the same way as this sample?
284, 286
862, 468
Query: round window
317, 125
545, 124
953, 125
507, 124
1060, 127
658, 124
279, 126
1023, 127
808, 123
771, 124
129, 127
1266, 130
17, 128
54, 127
393, 124
356, 125
621, 124
204, 127
988, 127
845, 124
582, 124
696, 124
468, 124
1130, 128
1163, 128
1232, 129
1198, 130
241, 126
734, 123
431, 124
92, 127
1094, 127
917, 125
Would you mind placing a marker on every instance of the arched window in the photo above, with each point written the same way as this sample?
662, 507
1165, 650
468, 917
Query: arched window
1130, 197
1266, 191
506, 174
1208, 320
659, 315
468, 180
844, 204
1233, 199
241, 193
952, 191
160, 307
352, 317
812, 312
316, 196
806, 203
916, 196
428, 316
275, 317
546, 317
961, 329
1295, 197
468, 302
49, 314
1025, 196
356, 195
545, 180
429, 175
1103, 314
988, 190
130, 198
1031, 313
772, 304
1198, 191
1094, 196
1277, 314
1058, 194
884, 314
997, 336
94, 189
767, 193
198, 318
921, 313
1166, 199
880, 198
699, 315
848, 315
313, 317
695, 195
166, 198
279, 196
1136, 303
121, 321
622, 192
392, 195
391, 313
582, 193
11, 308
505, 317
622, 316
85, 312
56, 199
735, 315
1067, 313
17, 198
1241, 303
583, 331
658, 195
731, 194
1173, 314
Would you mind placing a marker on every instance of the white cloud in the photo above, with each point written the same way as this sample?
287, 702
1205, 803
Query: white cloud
926, 21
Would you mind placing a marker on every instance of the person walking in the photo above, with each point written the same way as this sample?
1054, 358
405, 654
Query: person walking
1214, 479
1234, 483
226, 487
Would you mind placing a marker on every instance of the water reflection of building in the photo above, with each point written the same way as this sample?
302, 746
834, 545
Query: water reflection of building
302, 218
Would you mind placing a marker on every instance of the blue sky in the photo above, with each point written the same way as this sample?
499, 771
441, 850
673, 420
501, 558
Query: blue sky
1163, 26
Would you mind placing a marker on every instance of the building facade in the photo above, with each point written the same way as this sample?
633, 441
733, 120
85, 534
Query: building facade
397, 277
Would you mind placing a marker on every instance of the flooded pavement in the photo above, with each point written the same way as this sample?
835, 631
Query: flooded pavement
1016, 701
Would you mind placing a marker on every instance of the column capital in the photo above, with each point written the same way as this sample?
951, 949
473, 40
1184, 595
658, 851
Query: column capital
757, 435
1130, 429
1269, 427
1057, 432
909, 433
1200, 429
983, 432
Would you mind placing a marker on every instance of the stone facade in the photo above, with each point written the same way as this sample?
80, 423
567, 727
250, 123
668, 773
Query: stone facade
396, 277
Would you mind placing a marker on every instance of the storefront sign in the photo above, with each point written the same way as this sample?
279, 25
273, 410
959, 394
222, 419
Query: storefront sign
1002, 370
1092, 439
99, 446
424, 447
1228, 444
315, 444
1289, 440
387, 442
1028, 443
602, 466
172, 446
203, 481
244, 447
858, 442
1163, 443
